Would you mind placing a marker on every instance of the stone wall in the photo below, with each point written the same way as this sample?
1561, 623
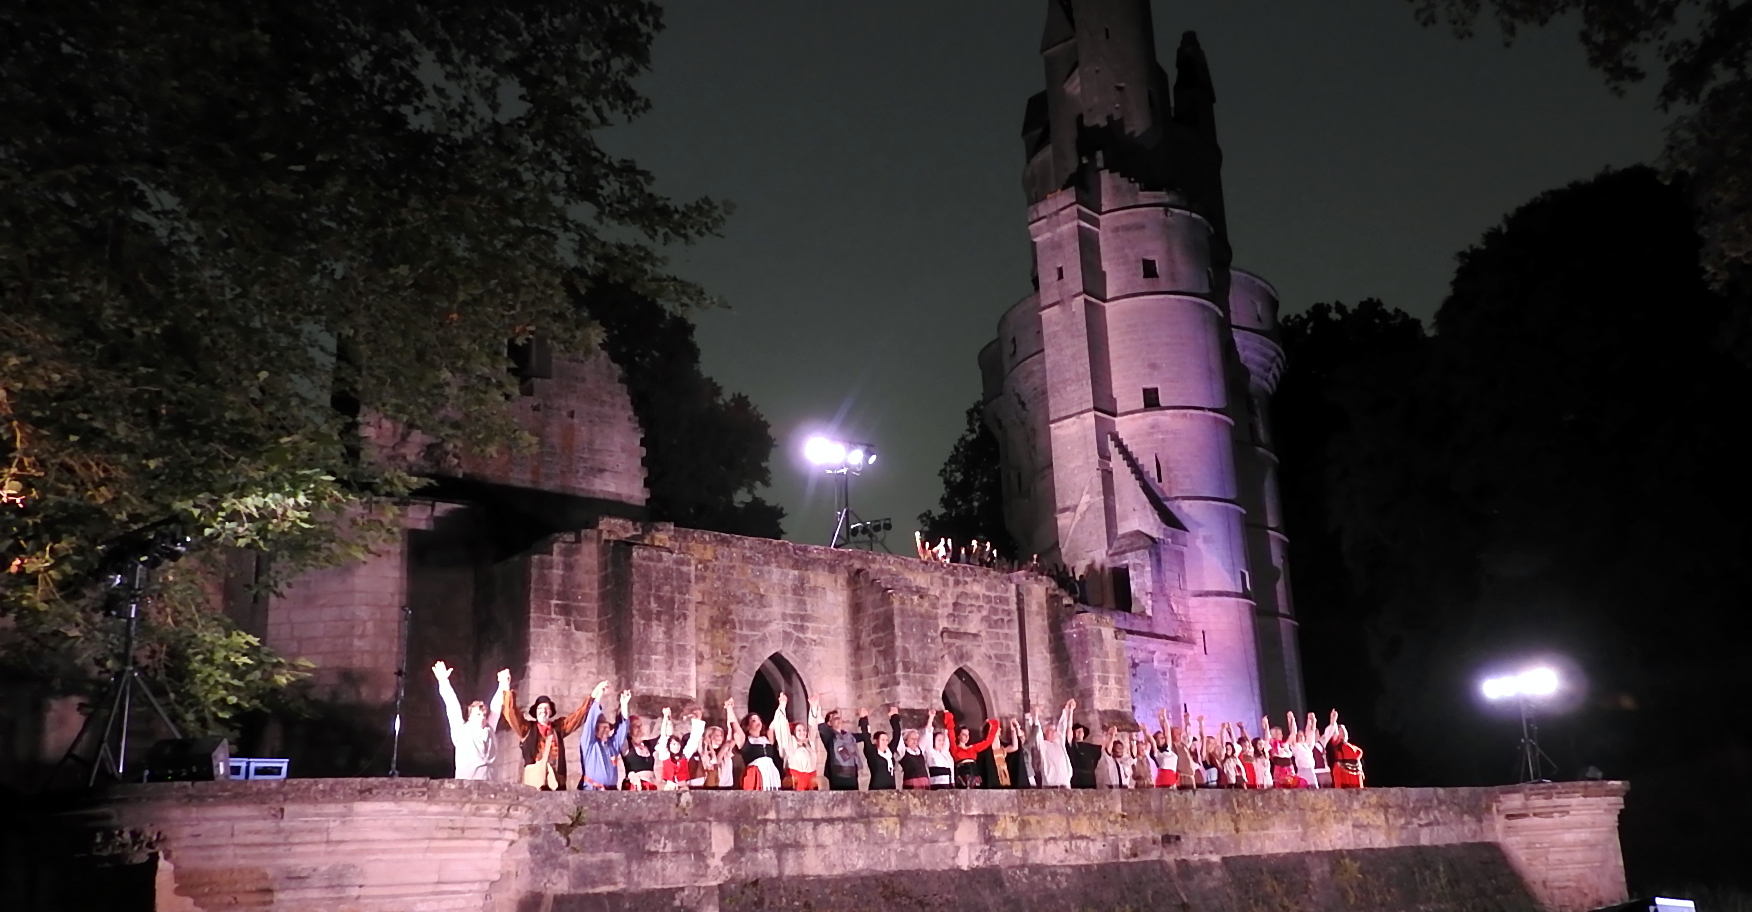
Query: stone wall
397, 844
682, 616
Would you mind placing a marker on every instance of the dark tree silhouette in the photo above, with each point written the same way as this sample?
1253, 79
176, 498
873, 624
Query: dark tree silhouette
1328, 347
705, 453
1562, 471
1704, 48
972, 505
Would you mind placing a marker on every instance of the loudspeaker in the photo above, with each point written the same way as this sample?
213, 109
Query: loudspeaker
189, 760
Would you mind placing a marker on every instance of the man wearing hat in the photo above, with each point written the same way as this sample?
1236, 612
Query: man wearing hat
542, 736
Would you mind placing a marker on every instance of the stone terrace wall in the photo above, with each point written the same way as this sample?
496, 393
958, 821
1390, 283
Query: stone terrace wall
397, 844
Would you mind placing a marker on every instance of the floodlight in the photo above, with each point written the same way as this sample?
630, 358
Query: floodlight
1525, 687
824, 452
837, 457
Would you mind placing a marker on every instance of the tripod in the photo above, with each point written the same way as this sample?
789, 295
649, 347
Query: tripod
112, 750
1533, 759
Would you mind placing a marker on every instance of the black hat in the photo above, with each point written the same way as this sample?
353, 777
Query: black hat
544, 698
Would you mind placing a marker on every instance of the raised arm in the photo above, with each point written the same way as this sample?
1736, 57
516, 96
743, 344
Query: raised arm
1162, 723
508, 708
894, 726
575, 720
447, 693
731, 724
1064, 723
665, 728
696, 736
927, 741
617, 741
498, 696
991, 736
781, 729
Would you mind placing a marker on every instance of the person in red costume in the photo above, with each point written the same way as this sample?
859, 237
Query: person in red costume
1347, 758
965, 751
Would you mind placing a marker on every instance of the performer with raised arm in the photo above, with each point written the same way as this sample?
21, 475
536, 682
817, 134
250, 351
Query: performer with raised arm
603, 742
541, 736
471, 733
797, 744
760, 756
1055, 761
1347, 758
965, 751
880, 750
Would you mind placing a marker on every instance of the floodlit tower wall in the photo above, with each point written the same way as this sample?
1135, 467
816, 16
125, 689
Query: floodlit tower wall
1129, 393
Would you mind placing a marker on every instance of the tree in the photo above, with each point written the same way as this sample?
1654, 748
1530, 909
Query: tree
1331, 350
972, 505
1560, 473
704, 454
230, 229
1705, 47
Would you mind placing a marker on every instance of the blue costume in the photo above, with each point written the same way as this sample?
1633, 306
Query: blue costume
599, 756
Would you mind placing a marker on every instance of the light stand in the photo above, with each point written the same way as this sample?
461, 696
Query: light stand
843, 460
401, 692
111, 755
1538, 683
1533, 759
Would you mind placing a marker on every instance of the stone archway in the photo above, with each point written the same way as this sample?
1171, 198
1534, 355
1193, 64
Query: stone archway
963, 696
777, 676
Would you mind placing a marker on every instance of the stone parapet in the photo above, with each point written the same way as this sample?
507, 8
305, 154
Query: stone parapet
398, 844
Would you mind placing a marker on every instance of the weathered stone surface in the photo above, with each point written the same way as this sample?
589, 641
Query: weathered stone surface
399, 844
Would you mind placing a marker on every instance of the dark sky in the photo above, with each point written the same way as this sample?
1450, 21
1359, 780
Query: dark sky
872, 152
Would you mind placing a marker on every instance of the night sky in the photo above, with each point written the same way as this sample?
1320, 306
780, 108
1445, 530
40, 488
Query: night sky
872, 152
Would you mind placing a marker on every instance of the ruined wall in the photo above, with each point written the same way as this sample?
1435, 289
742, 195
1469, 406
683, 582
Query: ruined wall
683, 616
384, 844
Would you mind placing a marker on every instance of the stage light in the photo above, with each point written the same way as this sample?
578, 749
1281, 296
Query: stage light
1531, 683
1526, 687
825, 452
837, 457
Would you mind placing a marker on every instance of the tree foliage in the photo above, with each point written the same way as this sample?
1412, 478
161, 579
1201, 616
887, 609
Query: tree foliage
1331, 348
972, 505
1705, 49
705, 454
229, 228
1557, 470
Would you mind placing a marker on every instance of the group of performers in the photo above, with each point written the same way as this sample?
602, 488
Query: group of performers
618, 750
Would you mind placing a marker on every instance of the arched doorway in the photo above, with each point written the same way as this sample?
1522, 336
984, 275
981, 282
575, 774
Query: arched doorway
777, 676
963, 697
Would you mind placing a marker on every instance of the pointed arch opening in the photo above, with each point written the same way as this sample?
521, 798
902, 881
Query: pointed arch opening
777, 676
964, 697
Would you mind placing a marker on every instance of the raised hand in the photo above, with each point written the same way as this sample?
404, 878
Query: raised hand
441, 671
505, 678
600, 689
893, 710
863, 713
783, 700
665, 712
1333, 719
626, 696
1071, 704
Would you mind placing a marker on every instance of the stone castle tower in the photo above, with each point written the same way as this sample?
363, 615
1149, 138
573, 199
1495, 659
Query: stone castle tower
1129, 393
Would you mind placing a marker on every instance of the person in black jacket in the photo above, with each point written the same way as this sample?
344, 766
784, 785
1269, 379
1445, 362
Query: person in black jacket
879, 751
842, 752
1085, 756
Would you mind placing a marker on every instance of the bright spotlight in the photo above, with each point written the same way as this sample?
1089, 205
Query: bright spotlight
824, 452
1534, 682
1526, 687
837, 457
1538, 682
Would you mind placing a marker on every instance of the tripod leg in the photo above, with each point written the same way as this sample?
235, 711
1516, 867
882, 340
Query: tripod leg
106, 757
85, 730
157, 707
